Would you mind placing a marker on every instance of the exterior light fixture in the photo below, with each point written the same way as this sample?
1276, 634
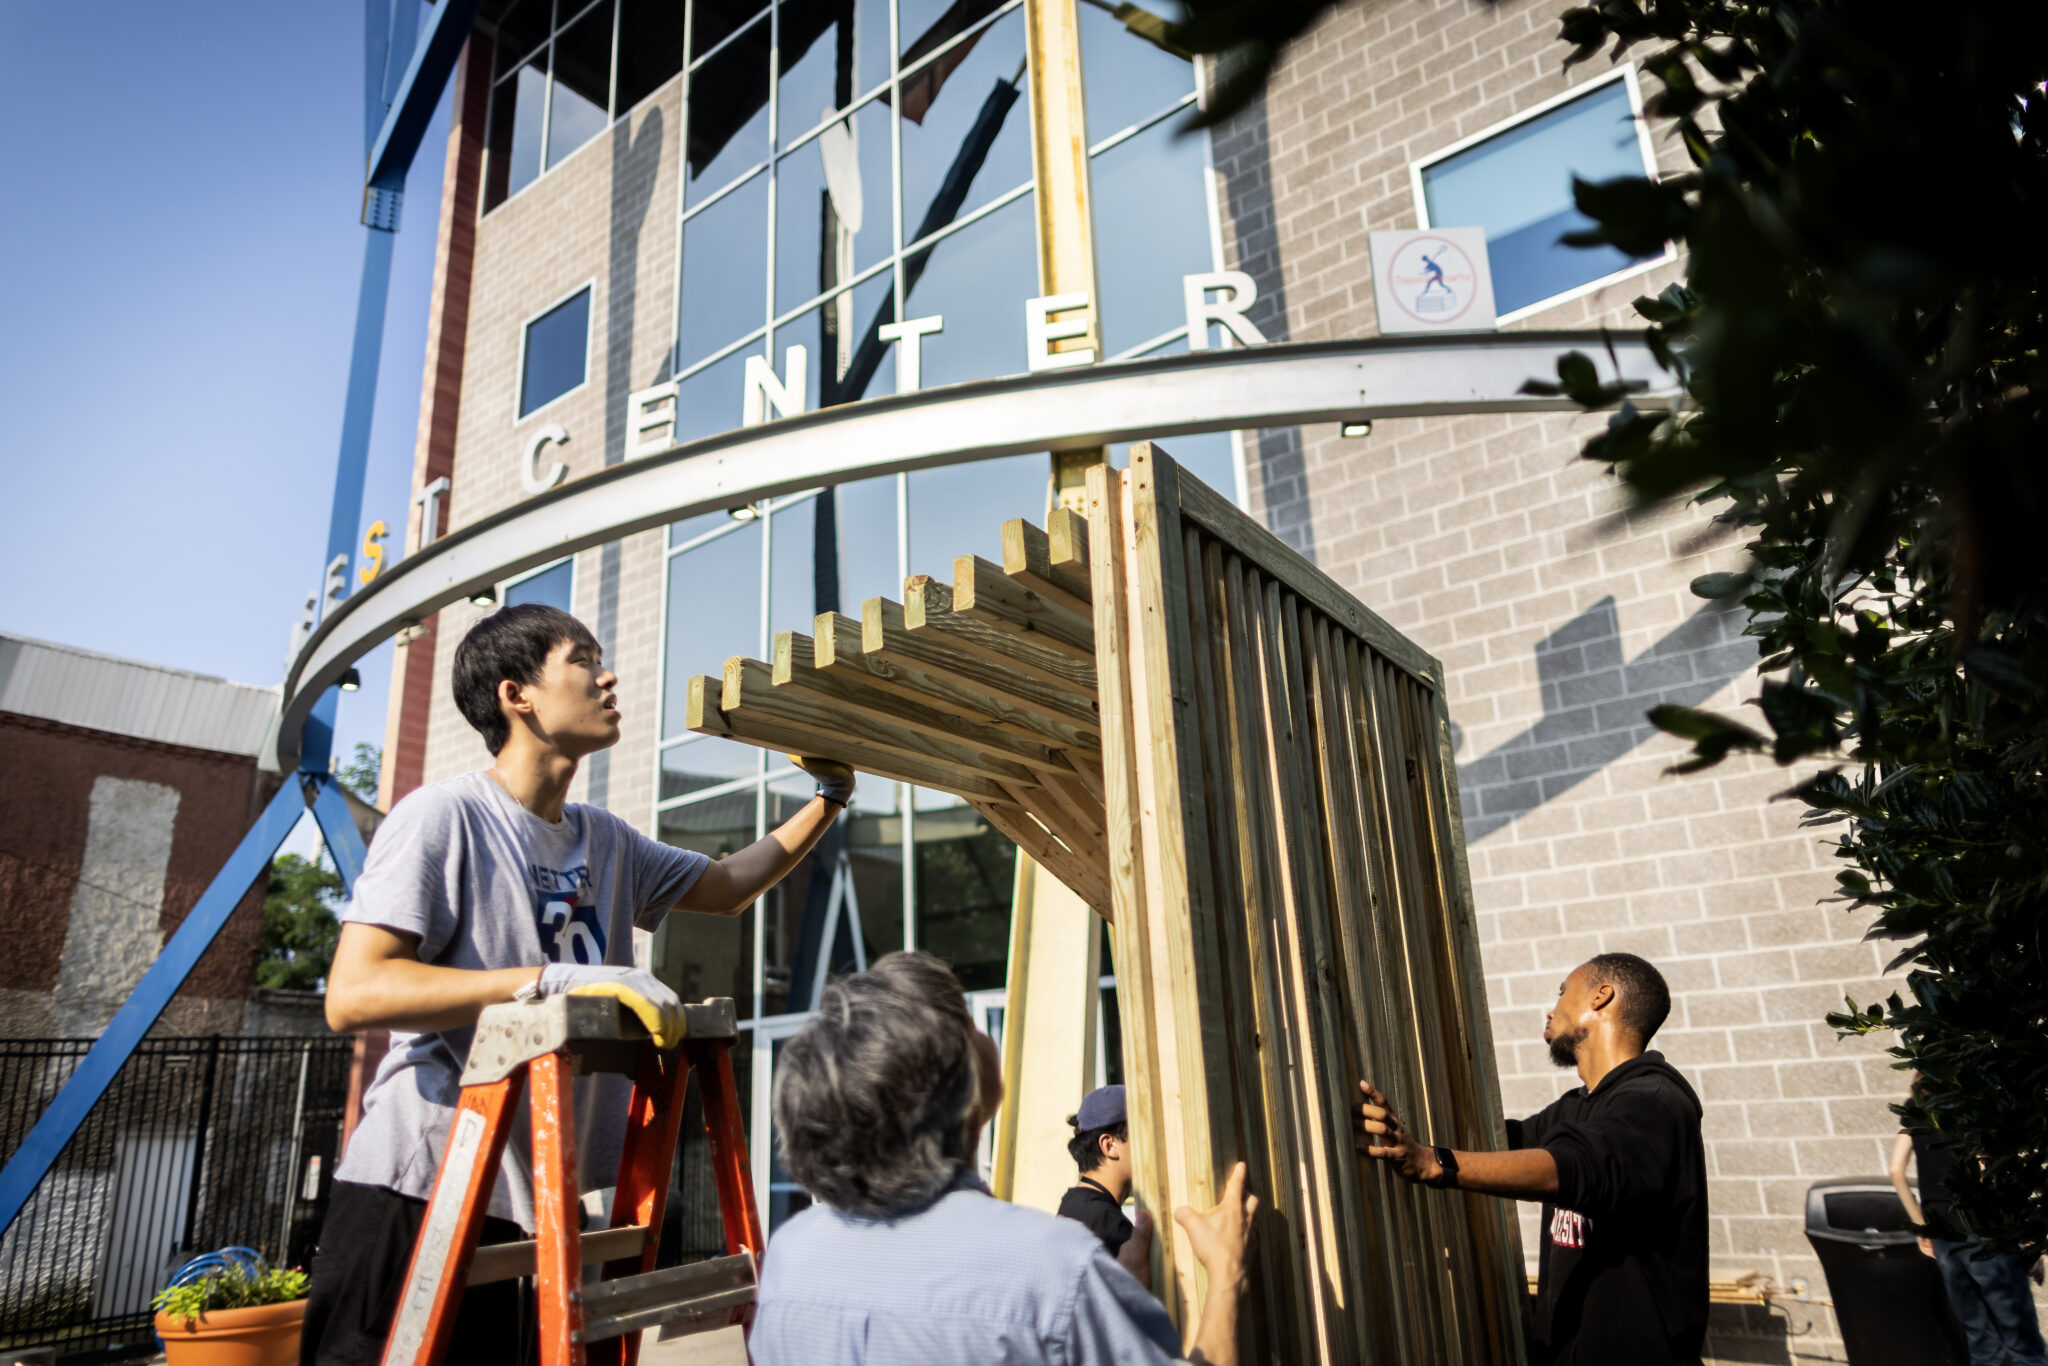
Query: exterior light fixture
745, 512
1362, 427
351, 681
486, 596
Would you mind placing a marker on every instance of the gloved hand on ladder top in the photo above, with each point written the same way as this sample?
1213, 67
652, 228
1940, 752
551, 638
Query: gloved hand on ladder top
638, 990
835, 780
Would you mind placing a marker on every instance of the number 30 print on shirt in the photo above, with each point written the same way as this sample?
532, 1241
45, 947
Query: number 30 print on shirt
570, 931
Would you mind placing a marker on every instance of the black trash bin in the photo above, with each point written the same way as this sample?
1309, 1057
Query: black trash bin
1888, 1296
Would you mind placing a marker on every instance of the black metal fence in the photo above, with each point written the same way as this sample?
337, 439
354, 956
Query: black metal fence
200, 1143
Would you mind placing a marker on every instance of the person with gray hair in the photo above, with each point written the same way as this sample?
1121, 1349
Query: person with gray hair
907, 1257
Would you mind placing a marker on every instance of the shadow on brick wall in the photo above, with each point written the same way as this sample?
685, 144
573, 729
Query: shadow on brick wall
1593, 706
1241, 149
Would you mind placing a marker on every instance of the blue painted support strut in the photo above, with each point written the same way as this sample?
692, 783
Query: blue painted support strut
317, 740
251, 859
338, 828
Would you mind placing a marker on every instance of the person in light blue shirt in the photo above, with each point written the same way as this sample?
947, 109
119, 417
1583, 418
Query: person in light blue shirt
907, 1259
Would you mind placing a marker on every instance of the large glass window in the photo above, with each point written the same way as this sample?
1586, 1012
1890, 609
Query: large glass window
1517, 184
834, 184
554, 90
554, 586
554, 356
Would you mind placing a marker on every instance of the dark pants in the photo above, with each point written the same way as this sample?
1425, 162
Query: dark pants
1994, 1304
358, 1274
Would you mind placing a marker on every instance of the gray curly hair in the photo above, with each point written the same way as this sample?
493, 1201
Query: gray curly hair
875, 1098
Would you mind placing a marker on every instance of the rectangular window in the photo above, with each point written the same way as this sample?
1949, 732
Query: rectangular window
555, 355
1516, 183
554, 586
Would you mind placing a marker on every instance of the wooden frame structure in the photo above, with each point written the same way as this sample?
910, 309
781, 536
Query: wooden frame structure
1249, 775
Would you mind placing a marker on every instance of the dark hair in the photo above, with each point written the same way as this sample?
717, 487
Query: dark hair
514, 643
1086, 1144
875, 1097
1645, 1001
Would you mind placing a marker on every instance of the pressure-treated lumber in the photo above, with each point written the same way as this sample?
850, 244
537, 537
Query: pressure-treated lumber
1248, 774
1281, 824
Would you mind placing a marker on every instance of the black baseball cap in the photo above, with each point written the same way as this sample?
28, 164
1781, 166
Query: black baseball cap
1101, 1108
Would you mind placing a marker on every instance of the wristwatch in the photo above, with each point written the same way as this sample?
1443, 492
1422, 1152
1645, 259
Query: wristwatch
1447, 1174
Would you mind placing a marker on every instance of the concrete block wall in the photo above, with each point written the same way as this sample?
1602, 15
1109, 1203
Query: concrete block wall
1561, 617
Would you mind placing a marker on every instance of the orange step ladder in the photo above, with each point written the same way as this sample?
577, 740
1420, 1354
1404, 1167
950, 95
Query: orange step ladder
597, 1322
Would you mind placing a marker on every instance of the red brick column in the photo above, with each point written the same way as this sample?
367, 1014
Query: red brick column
412, 668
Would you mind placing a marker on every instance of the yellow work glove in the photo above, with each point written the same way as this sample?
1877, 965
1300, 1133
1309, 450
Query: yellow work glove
835, 780
639, 991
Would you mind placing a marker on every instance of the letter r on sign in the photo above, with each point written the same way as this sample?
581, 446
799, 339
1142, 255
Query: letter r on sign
1228, 310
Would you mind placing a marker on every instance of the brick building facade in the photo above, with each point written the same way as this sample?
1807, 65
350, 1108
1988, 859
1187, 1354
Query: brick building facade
1560, 615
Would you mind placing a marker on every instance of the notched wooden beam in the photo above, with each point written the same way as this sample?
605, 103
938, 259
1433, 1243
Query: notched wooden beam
983, 591
928, 609
886, 633
703, 714
1027, 558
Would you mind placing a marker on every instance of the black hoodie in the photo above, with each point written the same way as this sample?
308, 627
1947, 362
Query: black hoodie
1624, 1266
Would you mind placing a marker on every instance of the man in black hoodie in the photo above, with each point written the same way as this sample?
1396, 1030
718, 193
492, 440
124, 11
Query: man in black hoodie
1619, 1167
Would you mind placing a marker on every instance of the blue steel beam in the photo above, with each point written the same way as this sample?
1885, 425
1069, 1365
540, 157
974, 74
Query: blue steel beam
338, 828
32, 1160
412, 102
350, 469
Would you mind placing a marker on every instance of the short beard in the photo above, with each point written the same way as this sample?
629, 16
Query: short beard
1564, 1049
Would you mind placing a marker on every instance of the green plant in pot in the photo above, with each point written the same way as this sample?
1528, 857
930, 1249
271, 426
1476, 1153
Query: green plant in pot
240, 1312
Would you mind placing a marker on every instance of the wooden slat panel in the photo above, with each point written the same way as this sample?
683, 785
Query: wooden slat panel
928, 611
1219, 518
702, 714
886, 636
983, 591
1131, 927
1027, 558
839, 649
750, 687
854, 698
1272, 1067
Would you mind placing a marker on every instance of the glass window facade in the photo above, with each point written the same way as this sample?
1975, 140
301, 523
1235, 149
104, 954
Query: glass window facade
848, 164
554, 355
554, 586
552, 88
1517, 185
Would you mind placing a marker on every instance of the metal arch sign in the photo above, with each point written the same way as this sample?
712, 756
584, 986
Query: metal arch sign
1279, 385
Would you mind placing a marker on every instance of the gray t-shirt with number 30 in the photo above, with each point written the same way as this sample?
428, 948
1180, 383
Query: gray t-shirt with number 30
485, 883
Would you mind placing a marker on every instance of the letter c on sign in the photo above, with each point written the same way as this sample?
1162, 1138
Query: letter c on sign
530, 475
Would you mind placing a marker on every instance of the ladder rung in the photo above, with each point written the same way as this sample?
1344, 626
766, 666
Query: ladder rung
632, 1303
505, 1261
604, 1329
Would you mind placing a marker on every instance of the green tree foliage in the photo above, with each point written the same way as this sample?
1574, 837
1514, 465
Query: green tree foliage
1861, 336
300, 924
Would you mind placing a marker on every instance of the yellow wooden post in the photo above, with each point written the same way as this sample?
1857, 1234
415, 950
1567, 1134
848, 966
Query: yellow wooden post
1059, 168
1055, 940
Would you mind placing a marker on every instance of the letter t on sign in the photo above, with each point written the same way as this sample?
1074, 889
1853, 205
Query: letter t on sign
428, 500
910, 359
1228, 310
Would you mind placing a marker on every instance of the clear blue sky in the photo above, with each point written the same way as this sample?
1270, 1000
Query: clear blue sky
179, 264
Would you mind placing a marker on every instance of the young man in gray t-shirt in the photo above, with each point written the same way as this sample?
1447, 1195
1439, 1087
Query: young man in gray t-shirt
493, 887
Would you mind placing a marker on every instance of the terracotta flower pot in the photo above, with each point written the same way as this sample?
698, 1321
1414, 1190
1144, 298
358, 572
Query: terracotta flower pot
266, 1335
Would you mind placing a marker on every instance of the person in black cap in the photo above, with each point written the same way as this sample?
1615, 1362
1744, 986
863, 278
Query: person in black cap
1101, 1146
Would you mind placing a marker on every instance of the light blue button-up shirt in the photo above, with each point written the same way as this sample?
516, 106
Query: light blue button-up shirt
968, 1281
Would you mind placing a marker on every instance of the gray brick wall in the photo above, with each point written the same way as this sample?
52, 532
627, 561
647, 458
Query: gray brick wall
1561, 617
